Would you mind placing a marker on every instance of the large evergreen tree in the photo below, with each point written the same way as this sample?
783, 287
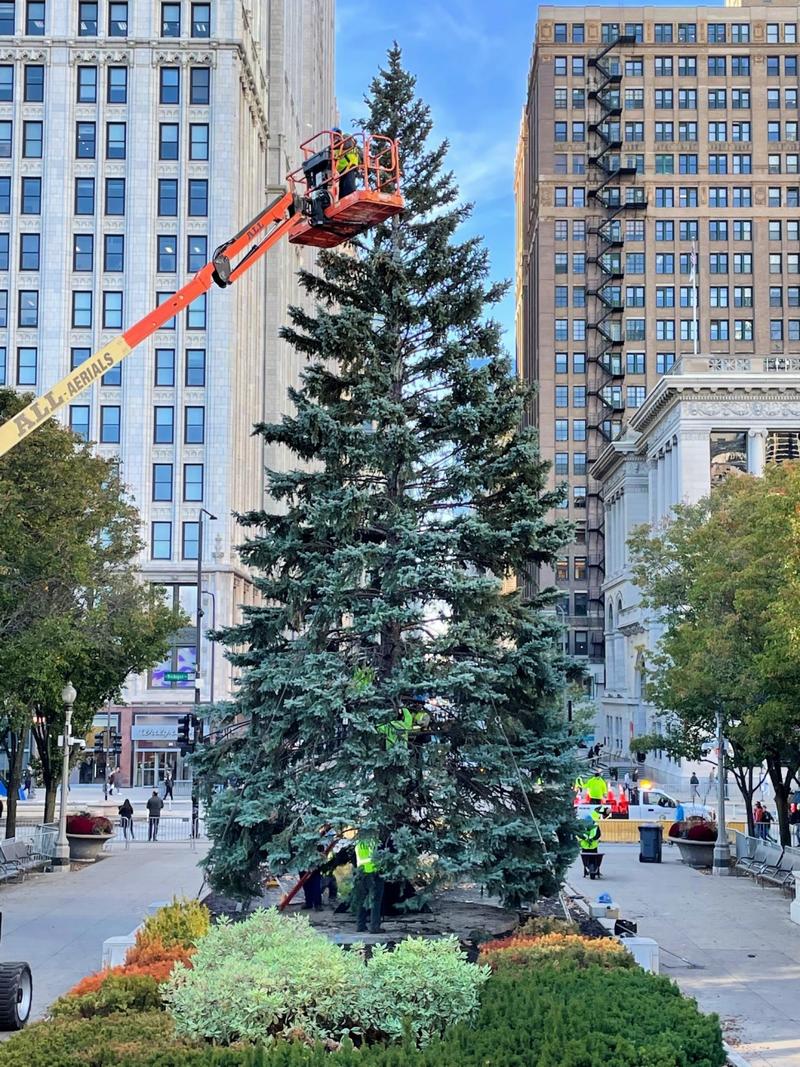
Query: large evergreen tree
418, 493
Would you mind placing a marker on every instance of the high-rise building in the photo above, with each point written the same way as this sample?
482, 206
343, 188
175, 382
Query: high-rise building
134, 138
659, 165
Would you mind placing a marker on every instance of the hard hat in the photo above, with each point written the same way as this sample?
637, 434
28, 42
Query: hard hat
336, 129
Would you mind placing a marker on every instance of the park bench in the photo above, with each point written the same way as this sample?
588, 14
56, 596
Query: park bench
769, 870
17, 858
758, 858
781, 874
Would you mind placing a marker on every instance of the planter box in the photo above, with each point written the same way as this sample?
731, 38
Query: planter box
85, 848
695, 853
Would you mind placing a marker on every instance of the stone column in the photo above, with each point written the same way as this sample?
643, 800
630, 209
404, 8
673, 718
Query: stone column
756, 451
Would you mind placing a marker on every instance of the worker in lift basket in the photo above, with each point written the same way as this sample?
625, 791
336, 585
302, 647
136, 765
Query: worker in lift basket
346, 158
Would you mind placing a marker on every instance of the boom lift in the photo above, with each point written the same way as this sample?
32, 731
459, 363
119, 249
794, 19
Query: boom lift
376, 198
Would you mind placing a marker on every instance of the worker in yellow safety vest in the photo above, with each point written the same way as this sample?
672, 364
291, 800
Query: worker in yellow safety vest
597, 788
400, 729
589, 834
346, 158
367, 888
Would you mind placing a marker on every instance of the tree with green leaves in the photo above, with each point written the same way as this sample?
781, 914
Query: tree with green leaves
391, 684
722, 577
72, 607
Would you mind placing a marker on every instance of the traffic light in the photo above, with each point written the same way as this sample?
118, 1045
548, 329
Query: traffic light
116, 744
184, 726
98, 744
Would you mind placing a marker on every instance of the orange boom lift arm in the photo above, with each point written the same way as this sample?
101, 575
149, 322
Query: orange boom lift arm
376, 197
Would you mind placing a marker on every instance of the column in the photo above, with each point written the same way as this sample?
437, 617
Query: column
756, 451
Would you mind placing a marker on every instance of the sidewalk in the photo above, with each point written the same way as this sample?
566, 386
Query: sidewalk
742, 949
58, 922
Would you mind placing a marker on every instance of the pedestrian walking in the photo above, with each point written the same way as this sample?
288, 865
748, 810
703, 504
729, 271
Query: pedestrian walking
626, 782
794, 822
758, 819
126, 818
168, 784
766, 822
111, 783
154, 806
694, 783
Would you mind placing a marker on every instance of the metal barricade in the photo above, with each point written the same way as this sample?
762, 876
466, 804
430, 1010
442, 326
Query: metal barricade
165, 830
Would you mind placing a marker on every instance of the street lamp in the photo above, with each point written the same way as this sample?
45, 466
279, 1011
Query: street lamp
197, 651
721, 864
61, 858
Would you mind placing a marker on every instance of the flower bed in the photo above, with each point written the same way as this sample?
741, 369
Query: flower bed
557, 1000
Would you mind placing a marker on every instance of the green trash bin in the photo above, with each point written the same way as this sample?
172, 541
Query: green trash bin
650, 844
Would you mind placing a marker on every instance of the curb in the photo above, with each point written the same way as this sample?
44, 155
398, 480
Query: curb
734, 1058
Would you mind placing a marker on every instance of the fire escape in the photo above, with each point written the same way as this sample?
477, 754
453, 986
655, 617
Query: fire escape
611, 198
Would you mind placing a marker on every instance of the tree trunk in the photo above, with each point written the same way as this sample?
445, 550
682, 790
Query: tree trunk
782, 791
744, 780
14, 781
49, 779
49, 804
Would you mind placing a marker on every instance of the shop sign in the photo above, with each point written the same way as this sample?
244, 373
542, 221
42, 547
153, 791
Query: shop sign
160, 731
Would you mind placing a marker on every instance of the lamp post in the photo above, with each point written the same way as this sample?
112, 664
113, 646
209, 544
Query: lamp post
197, 651
721, 864
61, 858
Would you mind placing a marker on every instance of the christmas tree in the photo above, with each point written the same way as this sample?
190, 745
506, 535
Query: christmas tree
394, 682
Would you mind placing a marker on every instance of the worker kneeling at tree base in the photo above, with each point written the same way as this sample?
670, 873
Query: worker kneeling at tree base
589, 834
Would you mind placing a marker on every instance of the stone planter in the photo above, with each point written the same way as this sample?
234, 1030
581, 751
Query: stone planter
695, 853
85, 848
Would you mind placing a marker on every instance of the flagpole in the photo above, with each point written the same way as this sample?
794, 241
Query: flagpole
694, 295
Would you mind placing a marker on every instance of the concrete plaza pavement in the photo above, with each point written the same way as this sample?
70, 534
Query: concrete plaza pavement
728, 943
58, 922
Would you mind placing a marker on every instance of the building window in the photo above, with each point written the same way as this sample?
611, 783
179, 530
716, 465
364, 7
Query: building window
165, 367
561, 463
579, 429
7, 20
562, 429
6, 83
79, 420
34, 83
191, 540
112, 311
118, 20
85, 140
113, 377
201, 20
167, 254
87, 18
197, 252
4, 251
81, 310
109, 424
117, 90
87, 85
26, 366
84, 196
161, 540
579, 463
162, 297
169, 87
199, 85
198, 140
113, 252
194, 427
196, 313
3, 366
83, 252
198, 197
581, 642
3, 308
162, 481
163, 425
78, 356
28, 309
562, 570
167, 197
6, 138
115, 140
34, 18
195, 367
168, 134
581, 604
115, 196
728, 454
31, 196
170, 20
193, 481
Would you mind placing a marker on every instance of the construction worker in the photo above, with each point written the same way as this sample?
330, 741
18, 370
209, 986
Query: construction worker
597, 789
589, 833
346, 158
367, 888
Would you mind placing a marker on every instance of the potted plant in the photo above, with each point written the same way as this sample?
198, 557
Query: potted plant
86, 835
695, 839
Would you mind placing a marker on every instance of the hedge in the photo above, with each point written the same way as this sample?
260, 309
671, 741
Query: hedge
563, 1015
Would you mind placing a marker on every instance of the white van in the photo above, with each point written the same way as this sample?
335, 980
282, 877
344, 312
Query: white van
655, 804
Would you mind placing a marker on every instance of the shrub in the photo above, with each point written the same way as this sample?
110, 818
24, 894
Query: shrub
182, 922
424, 986
149, 952
702, 831
269, 975
115, 992
84, 823
555, 949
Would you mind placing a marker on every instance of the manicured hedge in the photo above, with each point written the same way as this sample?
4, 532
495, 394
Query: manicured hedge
564, 1015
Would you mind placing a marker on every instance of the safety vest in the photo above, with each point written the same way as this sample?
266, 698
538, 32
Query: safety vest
347, 156
402, 727
365, 851
596, 788
589, 838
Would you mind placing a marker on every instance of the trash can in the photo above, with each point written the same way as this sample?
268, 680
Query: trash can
650, 844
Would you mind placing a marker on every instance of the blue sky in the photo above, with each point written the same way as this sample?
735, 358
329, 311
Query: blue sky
471, 60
